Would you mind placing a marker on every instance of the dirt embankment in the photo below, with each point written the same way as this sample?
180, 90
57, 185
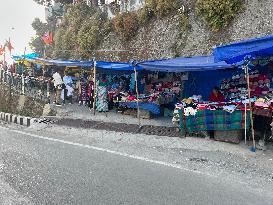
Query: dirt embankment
15, 103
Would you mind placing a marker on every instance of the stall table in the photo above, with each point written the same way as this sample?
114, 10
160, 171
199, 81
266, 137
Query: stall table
151, 107
221, 122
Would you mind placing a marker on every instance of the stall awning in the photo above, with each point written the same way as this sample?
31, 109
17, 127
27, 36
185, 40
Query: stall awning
70, 63
26, 56
117, 66
64, 63
236, 52
196, 63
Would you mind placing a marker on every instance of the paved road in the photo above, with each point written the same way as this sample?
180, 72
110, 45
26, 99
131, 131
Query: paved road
40, 171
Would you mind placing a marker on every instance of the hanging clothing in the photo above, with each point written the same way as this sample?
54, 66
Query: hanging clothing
91, 94
102, 101
132, 83
91, 89
83, 97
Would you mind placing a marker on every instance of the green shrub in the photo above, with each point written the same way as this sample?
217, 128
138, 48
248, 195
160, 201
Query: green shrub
145, 15
183, 21
151, 4
81, 31
118, 24
88, 37
162, 7
218, 13
126, 25
165, 7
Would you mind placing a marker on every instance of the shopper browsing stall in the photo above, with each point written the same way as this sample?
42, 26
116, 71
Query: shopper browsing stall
58, 84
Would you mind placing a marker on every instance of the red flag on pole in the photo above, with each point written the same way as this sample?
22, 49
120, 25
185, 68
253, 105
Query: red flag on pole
8, 45
2, 50
48, 38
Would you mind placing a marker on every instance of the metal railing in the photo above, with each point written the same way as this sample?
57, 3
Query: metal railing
37, 88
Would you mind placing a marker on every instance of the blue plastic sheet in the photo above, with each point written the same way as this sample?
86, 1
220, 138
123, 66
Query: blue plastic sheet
236, 52
152, 107
202, 83
196, 63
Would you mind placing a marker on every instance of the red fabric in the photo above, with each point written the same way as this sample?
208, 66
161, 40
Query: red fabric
48, 38
90, 89
218, 98
2, 50
9, 45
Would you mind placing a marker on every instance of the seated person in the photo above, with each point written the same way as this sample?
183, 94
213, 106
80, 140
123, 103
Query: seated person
216, 95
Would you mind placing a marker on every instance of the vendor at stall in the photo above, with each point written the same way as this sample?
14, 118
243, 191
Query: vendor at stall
216, 95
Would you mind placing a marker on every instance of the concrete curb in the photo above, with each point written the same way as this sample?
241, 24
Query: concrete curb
16, 119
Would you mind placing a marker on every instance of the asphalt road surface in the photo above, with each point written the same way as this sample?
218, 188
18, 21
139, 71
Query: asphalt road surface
37, 170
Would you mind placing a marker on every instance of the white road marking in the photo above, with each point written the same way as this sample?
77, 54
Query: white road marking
176, 166
102, 150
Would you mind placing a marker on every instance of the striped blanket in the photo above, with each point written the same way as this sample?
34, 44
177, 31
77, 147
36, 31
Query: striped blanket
206, 120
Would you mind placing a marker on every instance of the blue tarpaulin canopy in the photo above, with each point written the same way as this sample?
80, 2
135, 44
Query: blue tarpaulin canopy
71, 63
118, 66
35, 59
236, 52
196, 63
26, 56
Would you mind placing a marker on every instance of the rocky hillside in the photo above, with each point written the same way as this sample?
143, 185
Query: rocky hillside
163, 28
162, 38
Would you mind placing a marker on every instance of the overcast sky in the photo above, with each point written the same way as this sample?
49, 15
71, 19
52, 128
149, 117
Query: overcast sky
18, 14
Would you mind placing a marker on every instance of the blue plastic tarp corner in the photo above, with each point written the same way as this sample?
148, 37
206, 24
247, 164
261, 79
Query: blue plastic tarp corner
26, 56
117, 66
236, 52
152, 107
181, 64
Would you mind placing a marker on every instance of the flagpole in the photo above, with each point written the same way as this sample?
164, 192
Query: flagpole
10, 47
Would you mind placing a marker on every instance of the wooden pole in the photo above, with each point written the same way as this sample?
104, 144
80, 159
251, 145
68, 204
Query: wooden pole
245, 120
95, 86
250, 107
136, 84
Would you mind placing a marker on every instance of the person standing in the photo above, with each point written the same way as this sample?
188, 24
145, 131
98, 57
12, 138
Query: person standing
68, 88
58, 84
91, 92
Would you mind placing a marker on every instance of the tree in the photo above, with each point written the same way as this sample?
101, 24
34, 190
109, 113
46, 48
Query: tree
37, 45
40, 27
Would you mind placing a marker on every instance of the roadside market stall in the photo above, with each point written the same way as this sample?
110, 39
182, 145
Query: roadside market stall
196, 113
133, 88
35, 73
259, 51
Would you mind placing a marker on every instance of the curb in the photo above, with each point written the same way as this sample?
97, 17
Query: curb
16, 119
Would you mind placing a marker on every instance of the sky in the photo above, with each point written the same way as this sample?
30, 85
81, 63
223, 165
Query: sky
19, 14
